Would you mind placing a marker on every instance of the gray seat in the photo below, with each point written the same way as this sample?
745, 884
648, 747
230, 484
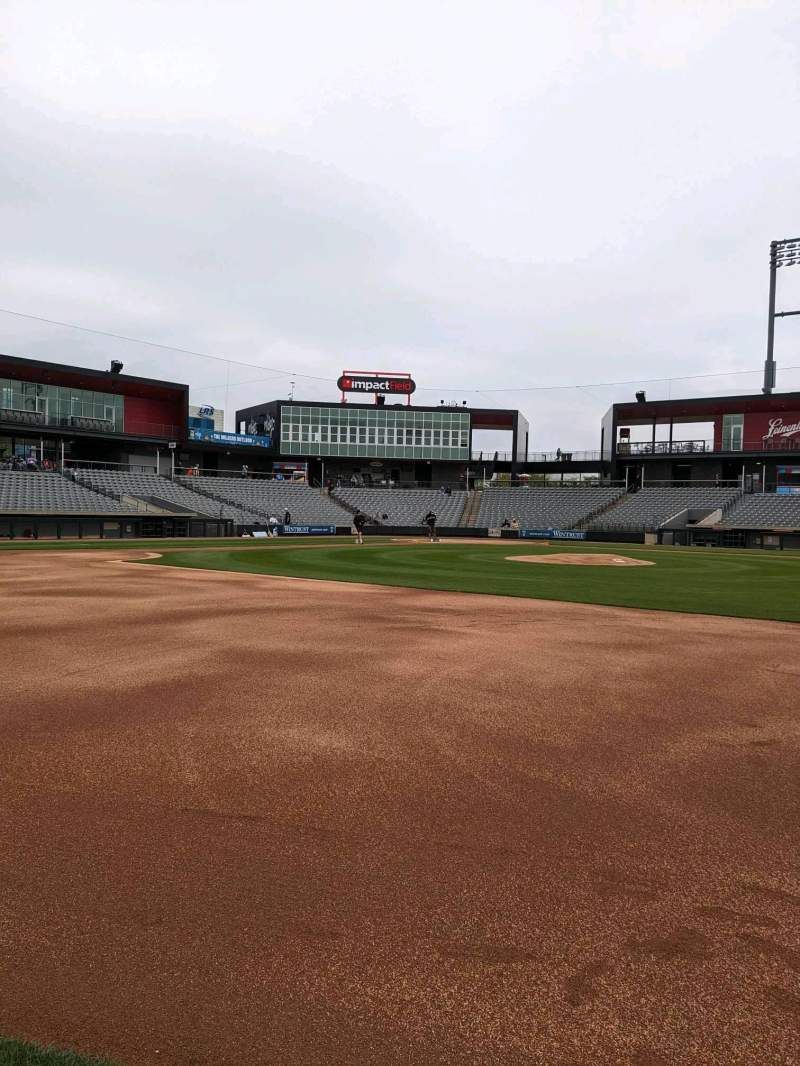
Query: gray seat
37, 492
405, 507
154, 487
651, 507
764, 511
264, 497
544, 508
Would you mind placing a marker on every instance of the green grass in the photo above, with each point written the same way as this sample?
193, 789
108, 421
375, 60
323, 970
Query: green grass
18, 1053
738, 583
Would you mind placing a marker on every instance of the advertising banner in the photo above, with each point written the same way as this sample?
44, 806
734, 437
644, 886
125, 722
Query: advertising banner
553, 534
212, 437
312, 531
771, 431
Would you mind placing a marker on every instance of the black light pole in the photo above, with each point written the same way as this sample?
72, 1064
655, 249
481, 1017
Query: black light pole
781, 253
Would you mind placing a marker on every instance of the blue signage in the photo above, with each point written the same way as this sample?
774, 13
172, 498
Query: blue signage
314, 531
553, 534
213, 437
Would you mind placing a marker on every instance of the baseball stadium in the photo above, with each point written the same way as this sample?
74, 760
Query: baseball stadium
335, 738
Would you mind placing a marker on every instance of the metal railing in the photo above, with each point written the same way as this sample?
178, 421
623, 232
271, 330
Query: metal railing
526, 482
122, 468
41, 419
705, 447
558, 456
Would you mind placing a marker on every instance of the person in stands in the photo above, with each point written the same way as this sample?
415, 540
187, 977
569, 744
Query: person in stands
359, 521
430, 522
245, 470
287, 517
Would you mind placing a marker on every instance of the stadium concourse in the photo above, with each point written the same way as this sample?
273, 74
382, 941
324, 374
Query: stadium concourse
252, 819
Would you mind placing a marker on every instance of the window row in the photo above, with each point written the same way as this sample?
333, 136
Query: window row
372, 435
364, 451
55, 402
380, 416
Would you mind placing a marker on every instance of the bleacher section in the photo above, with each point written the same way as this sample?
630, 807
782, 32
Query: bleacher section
306, 505
764, 511
24, 492
650, 507
156, 487
539, 508
406, 507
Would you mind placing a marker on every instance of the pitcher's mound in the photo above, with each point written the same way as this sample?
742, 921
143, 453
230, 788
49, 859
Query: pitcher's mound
575, 559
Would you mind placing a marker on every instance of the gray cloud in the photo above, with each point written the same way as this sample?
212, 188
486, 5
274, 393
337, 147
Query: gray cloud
583, 195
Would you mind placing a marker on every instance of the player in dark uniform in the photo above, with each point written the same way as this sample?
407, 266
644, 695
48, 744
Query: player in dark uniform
430, 522
359, 521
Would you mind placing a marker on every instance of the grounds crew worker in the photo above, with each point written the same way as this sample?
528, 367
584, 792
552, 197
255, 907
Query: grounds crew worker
430, 522
359, 521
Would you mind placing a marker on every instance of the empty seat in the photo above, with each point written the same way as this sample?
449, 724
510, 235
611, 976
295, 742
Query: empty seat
405, 507
156, 488
651, 507
23, 492
764, 511
264, 497
544, 508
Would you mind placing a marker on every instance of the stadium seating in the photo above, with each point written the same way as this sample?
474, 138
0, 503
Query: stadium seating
544, 508
146, 486
650, 507
764, 511
266, 497
23, 492
405, 507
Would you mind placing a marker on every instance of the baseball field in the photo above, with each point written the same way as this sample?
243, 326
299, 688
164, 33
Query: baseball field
313, 803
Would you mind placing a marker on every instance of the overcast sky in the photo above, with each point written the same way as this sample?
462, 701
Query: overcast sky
491, 195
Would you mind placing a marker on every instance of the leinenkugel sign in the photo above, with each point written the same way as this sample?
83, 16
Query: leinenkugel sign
377, 383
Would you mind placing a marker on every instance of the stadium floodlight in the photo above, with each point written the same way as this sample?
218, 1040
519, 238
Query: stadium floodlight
781, 254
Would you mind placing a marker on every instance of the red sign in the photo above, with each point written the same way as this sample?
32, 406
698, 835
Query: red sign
770, 430
376, 383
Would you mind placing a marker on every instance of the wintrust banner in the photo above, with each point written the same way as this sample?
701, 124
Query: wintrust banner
553, 534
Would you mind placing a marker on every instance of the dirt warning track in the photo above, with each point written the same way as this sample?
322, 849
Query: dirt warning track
249, 819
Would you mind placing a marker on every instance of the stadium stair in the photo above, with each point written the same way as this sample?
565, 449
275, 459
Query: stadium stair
469, 518
347, 506
604, 509
190, 483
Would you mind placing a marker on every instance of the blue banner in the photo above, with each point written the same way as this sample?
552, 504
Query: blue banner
213, 437
314, 531
553, 534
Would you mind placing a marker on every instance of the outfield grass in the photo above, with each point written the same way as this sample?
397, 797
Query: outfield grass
18, 1053
737, 583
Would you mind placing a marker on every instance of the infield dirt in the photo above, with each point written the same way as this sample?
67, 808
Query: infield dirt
253, 819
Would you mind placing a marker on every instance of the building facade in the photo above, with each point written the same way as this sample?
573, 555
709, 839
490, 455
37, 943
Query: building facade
755, 439
49, 410
396, 442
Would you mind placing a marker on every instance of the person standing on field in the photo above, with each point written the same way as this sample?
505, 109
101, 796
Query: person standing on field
359, 521
273, 526
430, 522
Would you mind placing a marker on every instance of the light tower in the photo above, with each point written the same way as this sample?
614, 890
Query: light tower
781, 253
